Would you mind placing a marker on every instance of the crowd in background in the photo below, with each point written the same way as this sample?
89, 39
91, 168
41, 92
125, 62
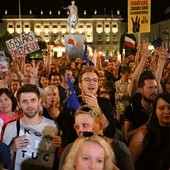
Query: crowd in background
125, 104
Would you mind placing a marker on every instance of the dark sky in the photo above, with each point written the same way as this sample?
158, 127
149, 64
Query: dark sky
158, 7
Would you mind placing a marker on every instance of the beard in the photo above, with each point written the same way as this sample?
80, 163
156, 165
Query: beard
33, 113
149, 100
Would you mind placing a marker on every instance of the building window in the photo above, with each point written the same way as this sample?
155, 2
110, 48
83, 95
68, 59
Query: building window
46, 26
107, 38
63, 26
10, 26
27, 26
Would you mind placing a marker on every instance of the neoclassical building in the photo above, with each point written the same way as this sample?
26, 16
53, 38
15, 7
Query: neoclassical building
102, 34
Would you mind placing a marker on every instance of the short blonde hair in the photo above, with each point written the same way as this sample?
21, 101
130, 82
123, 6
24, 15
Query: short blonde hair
109, 158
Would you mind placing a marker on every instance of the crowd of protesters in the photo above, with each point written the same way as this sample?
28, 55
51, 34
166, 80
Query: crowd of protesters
126, 101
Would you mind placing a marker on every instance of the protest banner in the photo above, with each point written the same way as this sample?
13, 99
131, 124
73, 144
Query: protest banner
22, 44
139, 12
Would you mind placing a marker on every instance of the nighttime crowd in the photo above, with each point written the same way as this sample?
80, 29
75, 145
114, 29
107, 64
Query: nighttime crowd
116, 116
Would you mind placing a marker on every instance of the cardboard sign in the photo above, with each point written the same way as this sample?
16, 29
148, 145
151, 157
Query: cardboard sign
139, 16
22, 44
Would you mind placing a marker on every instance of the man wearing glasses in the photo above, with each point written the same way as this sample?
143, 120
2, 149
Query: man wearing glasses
88, 83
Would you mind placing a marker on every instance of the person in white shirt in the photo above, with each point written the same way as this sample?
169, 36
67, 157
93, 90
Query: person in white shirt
33, 139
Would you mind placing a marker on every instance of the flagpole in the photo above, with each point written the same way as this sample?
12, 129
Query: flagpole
19, 8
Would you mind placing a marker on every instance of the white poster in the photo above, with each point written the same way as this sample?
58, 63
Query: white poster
22, 44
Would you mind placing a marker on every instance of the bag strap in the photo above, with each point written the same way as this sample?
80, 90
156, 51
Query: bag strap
18, 126
14, 156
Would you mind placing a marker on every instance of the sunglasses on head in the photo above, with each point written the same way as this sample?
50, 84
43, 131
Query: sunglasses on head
89, 134
89, 110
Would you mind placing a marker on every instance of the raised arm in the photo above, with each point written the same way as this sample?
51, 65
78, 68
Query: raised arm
163, 55
135, 76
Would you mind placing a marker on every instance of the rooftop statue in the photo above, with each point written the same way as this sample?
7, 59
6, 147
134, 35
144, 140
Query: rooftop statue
73, 15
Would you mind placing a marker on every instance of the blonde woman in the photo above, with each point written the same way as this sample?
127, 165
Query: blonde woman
51, 102
90, 119
90, 151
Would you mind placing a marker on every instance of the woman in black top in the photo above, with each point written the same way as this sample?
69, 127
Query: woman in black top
150, 146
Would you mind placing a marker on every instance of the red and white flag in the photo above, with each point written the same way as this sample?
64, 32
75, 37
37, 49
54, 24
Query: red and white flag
72, 41
129, 42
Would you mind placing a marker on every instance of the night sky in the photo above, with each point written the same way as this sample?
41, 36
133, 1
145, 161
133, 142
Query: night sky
158, 7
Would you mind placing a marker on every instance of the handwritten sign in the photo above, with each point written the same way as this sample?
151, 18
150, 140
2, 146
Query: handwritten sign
22, 44
139, 12
3, 63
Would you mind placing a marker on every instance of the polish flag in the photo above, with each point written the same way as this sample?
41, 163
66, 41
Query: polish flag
72, 41
129, 42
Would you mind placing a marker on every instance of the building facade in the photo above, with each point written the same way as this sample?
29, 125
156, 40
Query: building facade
100, 33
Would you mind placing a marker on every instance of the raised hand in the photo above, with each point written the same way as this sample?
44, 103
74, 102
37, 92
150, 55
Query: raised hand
145, 51
136, 24
34, 69
163, 52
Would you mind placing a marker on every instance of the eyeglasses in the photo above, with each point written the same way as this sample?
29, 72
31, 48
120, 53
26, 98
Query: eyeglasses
89, 134
89, 80
87, 110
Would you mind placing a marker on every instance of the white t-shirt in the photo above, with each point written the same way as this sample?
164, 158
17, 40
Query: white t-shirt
40, 152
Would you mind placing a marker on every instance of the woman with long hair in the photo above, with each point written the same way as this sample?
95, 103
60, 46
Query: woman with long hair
150, 145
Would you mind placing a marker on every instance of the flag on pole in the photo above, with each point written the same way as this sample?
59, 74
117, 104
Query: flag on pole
129, 42
85, 58
72, 102
111, 13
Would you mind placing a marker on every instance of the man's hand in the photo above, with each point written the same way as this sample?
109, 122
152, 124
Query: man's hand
57, 141
20, 142
91, 100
